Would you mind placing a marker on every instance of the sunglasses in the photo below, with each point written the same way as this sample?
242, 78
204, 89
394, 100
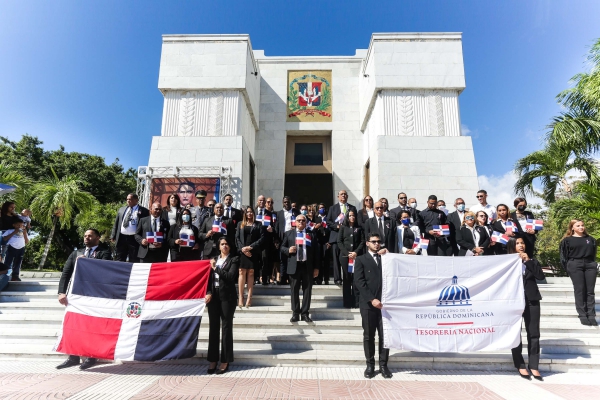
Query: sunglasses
469, 218
368, 199
379, 208
375, 241
479, 197
401, 198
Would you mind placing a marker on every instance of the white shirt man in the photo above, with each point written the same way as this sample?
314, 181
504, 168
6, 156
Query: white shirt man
133, 221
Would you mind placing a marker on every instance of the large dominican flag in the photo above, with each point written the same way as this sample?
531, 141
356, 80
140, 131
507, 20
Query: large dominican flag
127, 311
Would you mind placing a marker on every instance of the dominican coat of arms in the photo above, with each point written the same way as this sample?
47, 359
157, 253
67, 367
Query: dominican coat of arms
309, 96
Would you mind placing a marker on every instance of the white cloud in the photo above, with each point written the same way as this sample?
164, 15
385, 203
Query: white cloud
464, 129
500, 189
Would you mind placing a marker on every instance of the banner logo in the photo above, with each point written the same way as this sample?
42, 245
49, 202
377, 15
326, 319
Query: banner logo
454, 295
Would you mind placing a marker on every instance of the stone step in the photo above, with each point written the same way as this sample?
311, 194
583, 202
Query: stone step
331, 358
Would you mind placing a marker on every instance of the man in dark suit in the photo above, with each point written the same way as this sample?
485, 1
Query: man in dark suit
368, 280
455, 220
268, 247
384, 226
93, 249
301, 267
402, 206
439, 245
123, 232
342, 207
230, 212
285, 222
153, 252
211, 238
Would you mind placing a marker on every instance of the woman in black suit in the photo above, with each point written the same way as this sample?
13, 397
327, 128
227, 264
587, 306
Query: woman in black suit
520, 216
481, 219
366, 212
351, 242
250, 237
499, 225
221, 297
471, 237
531, 314
172, 210
180, 251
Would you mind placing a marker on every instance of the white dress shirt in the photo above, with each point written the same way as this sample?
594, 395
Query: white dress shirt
133, 220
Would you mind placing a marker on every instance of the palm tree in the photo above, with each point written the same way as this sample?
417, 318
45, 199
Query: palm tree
579, 127
585, 204
551, 166
10, 176
56, 201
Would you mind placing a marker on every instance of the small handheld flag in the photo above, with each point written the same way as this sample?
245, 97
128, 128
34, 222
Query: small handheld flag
536, 224
187, 240
340, 219
266, 220
442, 229
420, 243
293, 220
510, 227
499, 237
310, 225
219, 227
154, 237
303, 239
350, 265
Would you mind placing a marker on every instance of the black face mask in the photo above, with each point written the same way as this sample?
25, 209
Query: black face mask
521, 208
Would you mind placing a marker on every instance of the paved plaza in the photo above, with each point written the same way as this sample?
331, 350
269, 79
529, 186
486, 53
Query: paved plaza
40, 380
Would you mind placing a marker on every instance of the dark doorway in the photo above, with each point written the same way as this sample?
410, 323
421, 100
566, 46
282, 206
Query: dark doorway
252, 182
309, 188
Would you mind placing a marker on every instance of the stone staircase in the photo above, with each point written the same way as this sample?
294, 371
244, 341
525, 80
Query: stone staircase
30, 320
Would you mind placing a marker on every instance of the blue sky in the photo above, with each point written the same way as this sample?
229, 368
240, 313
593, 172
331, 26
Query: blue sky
84, 74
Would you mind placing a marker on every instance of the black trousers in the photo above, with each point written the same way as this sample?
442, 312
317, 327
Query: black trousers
583, 275
335, 251
266, 264
283, 275
220, 314
156, 256
325, 261
349, 291
127, 247
441, 247
371, 322
302, 277
532, 326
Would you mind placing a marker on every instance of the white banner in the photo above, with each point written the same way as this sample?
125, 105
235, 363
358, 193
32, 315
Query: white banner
452, 304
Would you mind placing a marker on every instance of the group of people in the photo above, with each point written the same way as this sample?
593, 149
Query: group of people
13, 240
300, 244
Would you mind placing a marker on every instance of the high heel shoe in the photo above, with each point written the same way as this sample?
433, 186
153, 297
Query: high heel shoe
536, 377
524, 376
248, 305
211, 371
222, 371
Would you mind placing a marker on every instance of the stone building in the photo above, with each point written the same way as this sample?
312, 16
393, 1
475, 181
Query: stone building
381, 121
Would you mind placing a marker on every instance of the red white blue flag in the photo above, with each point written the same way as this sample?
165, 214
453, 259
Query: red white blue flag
340, 219
133, 311
303, 239
420, 243
442, 229
293, 221
500, 237
536, 224
187, 240
350, 265
154, 237
219, 227
265, 220
510, 227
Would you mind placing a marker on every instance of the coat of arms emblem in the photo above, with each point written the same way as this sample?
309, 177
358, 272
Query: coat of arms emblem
309, 96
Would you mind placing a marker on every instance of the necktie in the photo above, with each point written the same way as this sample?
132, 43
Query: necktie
155, 224
344, 208
260, 211
381, 231
88, 253
127, 217
300, 253
378, 260
228, 213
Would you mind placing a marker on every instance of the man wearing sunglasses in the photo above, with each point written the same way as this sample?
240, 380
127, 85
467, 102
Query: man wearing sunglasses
368, 280
301, 267
483, 205
385, 227
269, 246
342, 207
402, 206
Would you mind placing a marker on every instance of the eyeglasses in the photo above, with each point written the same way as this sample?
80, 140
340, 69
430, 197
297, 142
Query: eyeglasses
375, 241
480, 197
300, 220
368, 199
379, 208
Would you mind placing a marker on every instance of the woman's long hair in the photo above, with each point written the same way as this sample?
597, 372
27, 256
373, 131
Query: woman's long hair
176, 196
180, 218
569, 231
507, 210
511, 246
5, 207
364, 206
477, 215
245, 220
347, 220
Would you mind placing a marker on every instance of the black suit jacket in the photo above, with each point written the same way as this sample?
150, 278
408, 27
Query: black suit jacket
102, 252
533, 271
145, 226
289, 240
334, 211
236, 215
465, 239
175, 248
454, 224
256, 239
368, 280
527, 237
362, 218
389, 226
351, 239
395, 212
280, 223
210, 243
228, 277
116, 231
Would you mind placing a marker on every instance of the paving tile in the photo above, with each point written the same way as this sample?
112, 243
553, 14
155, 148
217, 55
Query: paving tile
573, 392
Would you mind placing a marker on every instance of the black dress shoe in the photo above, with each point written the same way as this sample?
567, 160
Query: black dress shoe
338, 283
306, 318
294, 318
222, 371
325, 282
370, 372
385, 372
278, 283
585, 321
90, 362
211, 371
592, 321
69, 362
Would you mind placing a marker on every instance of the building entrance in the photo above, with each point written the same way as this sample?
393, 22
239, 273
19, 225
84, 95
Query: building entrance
308, 175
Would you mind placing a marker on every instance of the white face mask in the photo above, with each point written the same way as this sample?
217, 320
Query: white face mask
442, 208
413, 205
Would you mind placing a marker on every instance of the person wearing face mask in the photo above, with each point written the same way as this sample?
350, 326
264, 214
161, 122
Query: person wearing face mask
441, 205
578, 257
407, 232
439, 245
471, 237
455, 220
520, 216
304, 210
181, 250
415, 213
